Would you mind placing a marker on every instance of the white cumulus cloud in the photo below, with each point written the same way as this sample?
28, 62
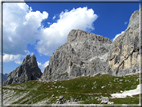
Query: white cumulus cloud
10, 57
49, 23
42, 66
45, 64
118, 35
20, 27
56, 34
54, 17
39, 63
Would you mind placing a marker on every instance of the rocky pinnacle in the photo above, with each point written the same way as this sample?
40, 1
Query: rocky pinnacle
28, 70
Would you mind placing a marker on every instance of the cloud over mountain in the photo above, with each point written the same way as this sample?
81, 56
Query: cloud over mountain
55, 35
20, 26
118, 35
10, 57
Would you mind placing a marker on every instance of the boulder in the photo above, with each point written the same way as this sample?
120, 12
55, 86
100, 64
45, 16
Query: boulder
61, 97
105, 100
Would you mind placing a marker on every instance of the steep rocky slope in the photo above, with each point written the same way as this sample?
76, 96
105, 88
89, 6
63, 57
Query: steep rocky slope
87, 54
124, 55
83, 54
28, 70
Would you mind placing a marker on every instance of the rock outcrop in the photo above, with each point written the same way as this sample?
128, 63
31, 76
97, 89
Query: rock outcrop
124, 55
84, 54
28, 70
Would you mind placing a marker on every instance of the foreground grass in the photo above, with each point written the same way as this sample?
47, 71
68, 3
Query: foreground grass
86, 90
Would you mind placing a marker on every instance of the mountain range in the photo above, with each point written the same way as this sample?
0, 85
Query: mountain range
86, 54
87, 69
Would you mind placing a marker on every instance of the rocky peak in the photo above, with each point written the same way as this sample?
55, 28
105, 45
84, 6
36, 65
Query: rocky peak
124, 55
30, 59
80, 35
87, 54
28, 70
33, 60
26, 59
33, 57
84, 53
134, 19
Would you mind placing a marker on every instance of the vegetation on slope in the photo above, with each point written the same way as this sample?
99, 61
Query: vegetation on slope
82, 90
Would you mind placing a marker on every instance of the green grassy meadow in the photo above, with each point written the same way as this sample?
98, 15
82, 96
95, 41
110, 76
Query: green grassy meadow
86, 90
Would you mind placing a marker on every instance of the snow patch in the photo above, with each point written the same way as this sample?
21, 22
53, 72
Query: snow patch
128, 93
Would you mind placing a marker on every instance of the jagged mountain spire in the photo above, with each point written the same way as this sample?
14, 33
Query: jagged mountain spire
28, 70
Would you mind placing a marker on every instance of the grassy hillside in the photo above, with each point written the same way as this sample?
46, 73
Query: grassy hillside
83, 90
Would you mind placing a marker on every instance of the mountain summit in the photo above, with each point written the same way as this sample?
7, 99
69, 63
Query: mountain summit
83, 54
124, 55
28, 70
87, 54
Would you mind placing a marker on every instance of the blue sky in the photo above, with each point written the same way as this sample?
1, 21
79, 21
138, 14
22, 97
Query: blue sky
40, 28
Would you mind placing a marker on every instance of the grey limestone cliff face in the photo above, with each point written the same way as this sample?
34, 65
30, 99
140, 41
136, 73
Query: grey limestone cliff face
28, 70
84, 54
124, 55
